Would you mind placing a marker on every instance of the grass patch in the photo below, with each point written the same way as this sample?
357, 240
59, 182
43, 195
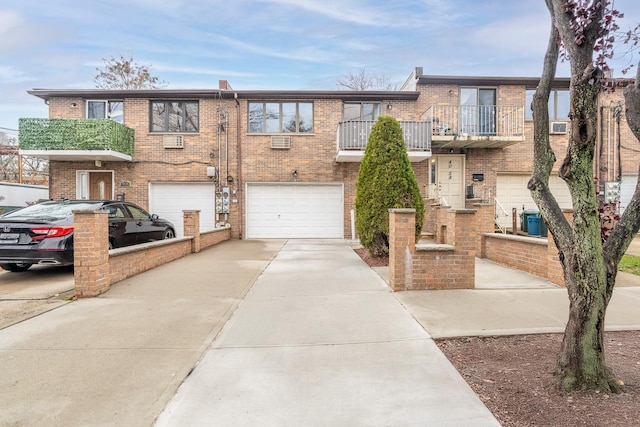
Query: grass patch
630, 264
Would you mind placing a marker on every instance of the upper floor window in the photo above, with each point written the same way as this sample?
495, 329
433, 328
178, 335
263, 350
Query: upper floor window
280, 117
558, 104
100, 109
175, 116
368, 111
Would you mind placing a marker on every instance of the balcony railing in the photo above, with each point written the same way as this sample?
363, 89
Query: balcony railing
476, 123
354, 135
75, 134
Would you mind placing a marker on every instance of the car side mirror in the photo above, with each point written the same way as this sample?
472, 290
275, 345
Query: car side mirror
154, 217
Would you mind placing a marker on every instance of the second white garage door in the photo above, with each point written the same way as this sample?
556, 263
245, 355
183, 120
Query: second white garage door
168, 200
512, 192
300, 210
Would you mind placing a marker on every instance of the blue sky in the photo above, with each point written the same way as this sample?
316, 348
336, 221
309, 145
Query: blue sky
266, 44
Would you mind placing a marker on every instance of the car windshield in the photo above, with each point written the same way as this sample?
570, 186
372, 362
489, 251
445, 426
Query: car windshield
49, 211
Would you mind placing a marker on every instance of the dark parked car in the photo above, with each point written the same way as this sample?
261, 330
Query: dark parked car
43, 233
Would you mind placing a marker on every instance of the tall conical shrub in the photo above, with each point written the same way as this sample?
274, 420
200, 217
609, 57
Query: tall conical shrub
385, 181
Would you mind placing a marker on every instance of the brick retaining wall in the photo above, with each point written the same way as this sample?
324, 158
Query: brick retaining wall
96, 267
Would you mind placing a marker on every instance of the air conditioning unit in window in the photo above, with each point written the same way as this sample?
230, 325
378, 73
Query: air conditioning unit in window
281, 142
172, 141
558, 128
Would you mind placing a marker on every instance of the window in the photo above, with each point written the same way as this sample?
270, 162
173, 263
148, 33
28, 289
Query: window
280, 117
174, 116
360, 111
113, 110
558, 104
478, 111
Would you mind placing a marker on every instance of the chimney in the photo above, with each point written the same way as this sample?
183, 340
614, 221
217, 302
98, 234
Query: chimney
224, 85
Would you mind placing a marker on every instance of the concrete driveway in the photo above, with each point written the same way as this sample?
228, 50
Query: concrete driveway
33, 292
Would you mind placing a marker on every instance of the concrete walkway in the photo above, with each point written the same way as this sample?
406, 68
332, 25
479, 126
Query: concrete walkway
321, 341
269, 333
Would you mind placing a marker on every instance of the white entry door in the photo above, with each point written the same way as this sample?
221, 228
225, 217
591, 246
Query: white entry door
450, 180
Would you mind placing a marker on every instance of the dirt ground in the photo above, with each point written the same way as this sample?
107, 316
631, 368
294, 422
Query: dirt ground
512, 376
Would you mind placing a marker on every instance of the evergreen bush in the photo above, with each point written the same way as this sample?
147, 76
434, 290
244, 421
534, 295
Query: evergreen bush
385, 181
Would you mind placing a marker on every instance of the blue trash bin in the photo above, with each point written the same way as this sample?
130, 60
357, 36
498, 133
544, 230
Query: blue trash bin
525, 218
544, 231
533, 225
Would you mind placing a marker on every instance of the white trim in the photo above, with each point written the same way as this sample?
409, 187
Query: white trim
83, 183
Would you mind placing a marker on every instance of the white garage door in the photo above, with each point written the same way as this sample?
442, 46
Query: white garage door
168, 200
294, 211
512, 192
627, 187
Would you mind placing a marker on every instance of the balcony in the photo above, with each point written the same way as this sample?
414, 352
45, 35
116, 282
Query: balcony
354, 135
475, 126
75, 139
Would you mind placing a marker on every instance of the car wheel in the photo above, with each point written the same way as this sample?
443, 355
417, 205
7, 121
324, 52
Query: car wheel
15, 266
169, 234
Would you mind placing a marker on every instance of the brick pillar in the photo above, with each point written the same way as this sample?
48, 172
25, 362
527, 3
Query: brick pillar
91, 252
429, 223
465, 234
402, 245
555, 274
191, 221
485, 223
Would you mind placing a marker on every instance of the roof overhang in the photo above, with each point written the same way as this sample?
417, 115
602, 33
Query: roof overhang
77, 155
168, 94
355, 156
475, 141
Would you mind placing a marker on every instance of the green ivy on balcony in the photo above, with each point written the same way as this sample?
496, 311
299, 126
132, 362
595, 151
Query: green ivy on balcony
75, 134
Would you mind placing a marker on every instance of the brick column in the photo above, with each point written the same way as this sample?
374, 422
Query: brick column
91, 252
191, 221
485, 223
555, 273
465, 235
402, 245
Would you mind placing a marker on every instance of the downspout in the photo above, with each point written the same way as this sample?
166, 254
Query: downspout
618, 137
239, 151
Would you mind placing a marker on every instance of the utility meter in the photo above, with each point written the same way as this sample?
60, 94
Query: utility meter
612, 192
225, 199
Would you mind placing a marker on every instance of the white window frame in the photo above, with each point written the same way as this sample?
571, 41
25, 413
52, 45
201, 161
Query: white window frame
106, 102
83, 185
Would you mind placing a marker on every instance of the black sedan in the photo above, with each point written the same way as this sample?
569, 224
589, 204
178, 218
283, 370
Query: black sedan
43, 233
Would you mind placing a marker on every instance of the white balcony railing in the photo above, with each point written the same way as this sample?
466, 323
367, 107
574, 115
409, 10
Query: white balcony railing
354, 135
476, 120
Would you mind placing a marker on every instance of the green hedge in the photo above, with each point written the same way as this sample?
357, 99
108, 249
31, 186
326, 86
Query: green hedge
75, 134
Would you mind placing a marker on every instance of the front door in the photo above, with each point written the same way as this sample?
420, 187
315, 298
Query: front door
100, 186
450, 180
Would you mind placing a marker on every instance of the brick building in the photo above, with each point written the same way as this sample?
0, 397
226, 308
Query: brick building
284, 163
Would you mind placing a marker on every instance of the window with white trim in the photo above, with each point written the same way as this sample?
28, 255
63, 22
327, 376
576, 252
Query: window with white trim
558, 104
106, 109
360, 111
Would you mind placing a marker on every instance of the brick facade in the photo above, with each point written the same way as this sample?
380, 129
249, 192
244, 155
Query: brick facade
241, 157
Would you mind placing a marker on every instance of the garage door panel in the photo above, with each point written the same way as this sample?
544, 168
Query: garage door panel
294, 211
168, 200
512, 192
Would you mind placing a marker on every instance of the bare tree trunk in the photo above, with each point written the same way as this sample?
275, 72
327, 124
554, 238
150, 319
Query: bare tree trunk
581, 362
